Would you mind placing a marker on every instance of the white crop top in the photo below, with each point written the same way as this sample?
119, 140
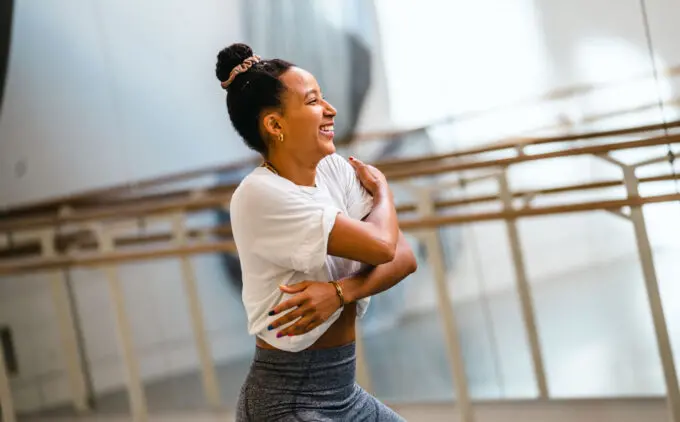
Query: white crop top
281, 232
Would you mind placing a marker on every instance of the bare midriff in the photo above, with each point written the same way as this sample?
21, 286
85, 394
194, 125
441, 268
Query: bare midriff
340, 333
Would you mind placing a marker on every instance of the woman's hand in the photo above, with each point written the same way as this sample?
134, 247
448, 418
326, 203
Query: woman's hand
370, 177
314, 301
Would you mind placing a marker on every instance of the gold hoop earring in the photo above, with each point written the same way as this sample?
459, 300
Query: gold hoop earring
280, 137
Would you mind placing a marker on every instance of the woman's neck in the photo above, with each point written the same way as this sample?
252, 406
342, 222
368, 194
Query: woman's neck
300, 173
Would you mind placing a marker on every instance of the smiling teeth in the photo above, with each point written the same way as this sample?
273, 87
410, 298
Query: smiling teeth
328, 128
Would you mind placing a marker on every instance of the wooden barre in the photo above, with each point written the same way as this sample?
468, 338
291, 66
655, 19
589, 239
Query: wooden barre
84, 239
166, 207
172, 195
126, 187
450, 203
445, 220
97, 259
200, 203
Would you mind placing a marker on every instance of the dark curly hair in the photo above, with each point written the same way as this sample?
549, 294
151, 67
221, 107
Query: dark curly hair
251, 92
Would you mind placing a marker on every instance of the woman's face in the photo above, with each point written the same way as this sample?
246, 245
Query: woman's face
307, 119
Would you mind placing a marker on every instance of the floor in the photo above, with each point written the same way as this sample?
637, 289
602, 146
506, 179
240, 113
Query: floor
595, 329
630, 410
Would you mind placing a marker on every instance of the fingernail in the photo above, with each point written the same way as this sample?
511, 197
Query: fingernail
279, 335
271, 327
351, 158
272, 313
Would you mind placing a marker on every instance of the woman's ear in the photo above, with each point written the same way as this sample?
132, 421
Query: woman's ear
272, 123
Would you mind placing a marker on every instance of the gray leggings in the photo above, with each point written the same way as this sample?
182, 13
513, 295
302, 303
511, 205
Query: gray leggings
312, 385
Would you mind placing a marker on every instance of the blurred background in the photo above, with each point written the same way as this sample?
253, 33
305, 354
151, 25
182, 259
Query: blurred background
103, 96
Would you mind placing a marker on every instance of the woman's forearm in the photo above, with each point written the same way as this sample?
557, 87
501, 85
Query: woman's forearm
381, 277
383, 217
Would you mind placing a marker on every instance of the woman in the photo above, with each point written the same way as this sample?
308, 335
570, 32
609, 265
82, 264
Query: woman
316, 236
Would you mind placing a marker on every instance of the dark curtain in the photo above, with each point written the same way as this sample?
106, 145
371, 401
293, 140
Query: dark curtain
6, 10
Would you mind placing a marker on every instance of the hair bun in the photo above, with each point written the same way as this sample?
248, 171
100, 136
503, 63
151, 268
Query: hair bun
230, 57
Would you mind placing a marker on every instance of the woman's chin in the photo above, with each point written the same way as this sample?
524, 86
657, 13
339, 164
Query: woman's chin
327, 145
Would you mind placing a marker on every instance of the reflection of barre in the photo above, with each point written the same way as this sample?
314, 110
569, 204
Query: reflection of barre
434, 169
608, 115
557, 94
513, 143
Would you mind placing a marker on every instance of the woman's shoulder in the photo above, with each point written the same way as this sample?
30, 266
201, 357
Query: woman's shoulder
335, 167
262, 188
334, 162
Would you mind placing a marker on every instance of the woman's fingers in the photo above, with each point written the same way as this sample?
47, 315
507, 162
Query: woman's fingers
369, 176
289, 317
294, 288
355, 162
301, 326
293, 302
312, 325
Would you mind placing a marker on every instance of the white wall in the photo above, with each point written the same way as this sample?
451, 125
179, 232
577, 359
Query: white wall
460, 57
108, 92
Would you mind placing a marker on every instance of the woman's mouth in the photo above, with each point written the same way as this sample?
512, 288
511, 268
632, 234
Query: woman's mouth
327, 131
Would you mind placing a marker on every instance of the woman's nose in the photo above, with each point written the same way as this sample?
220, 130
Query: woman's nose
330, 110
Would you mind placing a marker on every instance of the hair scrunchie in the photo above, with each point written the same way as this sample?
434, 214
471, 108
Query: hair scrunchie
243, 67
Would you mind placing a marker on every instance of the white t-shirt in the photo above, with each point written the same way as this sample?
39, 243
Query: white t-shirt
281, 232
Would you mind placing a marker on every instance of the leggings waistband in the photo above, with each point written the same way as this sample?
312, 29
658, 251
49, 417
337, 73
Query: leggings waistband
319, 356
308, 369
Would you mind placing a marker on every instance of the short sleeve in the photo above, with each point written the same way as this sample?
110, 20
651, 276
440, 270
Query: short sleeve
358, 200
287, 227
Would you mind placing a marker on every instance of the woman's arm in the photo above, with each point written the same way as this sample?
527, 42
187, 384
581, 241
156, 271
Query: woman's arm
316, 302
382, 277
374, 239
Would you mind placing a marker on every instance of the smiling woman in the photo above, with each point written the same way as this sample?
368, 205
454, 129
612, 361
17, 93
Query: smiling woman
316, 236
